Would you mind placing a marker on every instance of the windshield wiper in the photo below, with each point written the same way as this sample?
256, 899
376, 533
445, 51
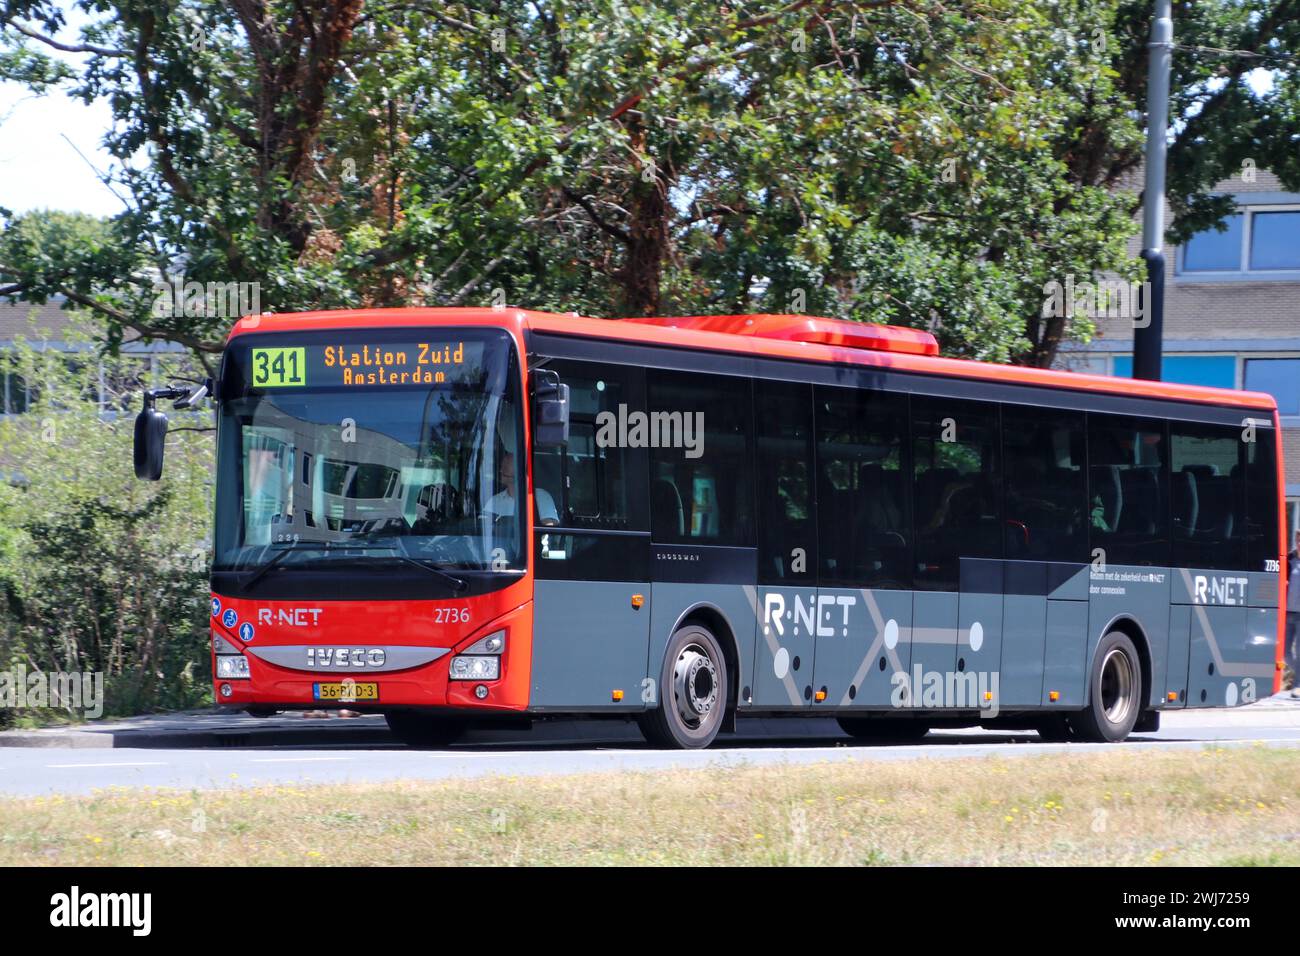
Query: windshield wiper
281, 553
458, 584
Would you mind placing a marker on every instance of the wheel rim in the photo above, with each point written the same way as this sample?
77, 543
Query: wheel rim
695, 685
1116, 686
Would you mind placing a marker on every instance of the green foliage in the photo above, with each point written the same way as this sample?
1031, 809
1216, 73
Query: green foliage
98, 571
911, 161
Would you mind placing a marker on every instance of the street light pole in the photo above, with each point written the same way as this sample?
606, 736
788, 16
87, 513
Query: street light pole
1148, 338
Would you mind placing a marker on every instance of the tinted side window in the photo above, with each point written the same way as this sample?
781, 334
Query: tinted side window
1261, 501
787, 528
1207, 494
701, 459
592, 482
957, 481
865, 530
1128, 489
1046, 491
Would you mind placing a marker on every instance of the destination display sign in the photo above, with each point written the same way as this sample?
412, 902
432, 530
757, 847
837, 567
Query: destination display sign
365, 364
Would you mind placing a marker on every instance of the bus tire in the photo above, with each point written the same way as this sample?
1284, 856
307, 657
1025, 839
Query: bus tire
1116, 699
884, 730
417, 729
693, 692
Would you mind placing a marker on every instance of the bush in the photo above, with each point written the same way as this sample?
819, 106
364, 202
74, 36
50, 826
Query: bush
99, 571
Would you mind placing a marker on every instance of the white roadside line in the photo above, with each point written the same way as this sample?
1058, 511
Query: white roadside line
294, 759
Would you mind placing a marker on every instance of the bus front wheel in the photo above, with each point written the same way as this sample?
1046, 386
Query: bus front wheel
1116, 699
692, 692
416, 729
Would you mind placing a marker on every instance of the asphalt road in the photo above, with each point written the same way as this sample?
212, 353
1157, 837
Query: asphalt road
353, 751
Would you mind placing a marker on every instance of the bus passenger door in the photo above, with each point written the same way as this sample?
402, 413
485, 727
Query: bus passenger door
591, 553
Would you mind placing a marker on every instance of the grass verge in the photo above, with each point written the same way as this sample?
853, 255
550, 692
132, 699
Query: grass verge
1117, 808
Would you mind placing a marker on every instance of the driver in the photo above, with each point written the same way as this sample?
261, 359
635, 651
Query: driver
502, 504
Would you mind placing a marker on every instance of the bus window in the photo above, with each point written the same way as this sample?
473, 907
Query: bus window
590, 480
864, 522
1207, 496
1261, 499
1128, 490
701, 473
957, 482
1046, 485
787, 531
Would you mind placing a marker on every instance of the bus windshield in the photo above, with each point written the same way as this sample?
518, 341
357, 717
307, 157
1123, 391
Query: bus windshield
402, 447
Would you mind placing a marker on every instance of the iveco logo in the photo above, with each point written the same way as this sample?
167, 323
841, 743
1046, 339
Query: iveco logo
339, 657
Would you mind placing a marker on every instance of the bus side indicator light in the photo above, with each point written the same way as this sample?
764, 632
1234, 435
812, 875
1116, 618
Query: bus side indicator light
638, 600
821, 695
616, 695
988, 695
1053, 695
1172, 695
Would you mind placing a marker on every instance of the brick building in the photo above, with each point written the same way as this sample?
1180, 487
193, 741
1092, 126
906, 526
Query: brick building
1232, 312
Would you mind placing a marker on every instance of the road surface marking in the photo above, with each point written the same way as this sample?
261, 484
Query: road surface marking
293, 759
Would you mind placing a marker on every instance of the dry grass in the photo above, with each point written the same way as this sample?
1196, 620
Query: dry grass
1216, 806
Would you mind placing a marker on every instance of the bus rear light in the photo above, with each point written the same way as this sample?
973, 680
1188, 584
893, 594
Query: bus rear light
477, 667
232, 667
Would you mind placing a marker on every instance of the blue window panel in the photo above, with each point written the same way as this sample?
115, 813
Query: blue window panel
1214, 251
1280, 378
1216, 371
1275, 240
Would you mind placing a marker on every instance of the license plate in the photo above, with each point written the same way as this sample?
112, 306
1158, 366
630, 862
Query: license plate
345, 692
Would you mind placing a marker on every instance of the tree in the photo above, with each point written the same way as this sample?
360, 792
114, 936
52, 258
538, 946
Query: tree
882, 160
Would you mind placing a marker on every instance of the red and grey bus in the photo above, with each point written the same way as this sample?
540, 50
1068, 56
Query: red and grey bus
453, 516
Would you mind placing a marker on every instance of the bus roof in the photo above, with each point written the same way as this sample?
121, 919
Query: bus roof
801, 337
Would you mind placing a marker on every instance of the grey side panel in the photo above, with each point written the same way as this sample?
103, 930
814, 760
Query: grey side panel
1207, 685
588, 641
783, 652
1232, 647
737, 603
849, 665
980, 650
934, 632
1175, 672
1024, 646
1065, 658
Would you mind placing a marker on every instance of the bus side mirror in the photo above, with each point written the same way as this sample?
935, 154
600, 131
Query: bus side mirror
150, 434
551, 410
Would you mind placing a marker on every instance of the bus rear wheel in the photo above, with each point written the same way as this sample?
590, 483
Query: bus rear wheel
884, 730
692, 692
1116, 699
416, 729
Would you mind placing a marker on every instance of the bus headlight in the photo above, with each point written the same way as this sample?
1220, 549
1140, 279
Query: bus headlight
232, 667
475, 667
